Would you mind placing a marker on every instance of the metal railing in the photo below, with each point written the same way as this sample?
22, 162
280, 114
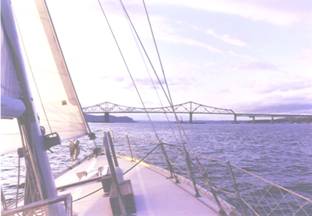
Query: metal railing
249, 193
252, 194
40, 207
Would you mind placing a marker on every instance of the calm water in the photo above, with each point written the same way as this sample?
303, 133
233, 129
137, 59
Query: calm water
281, 153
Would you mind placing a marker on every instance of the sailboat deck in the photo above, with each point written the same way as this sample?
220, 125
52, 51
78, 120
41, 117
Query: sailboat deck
154, 193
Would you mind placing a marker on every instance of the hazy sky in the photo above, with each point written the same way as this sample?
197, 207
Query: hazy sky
247, 55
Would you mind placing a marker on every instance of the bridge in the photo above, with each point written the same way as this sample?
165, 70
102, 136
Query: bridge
189, 108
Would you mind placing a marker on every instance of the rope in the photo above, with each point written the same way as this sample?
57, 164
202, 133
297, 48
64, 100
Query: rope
150, 152
89, 194
18, 180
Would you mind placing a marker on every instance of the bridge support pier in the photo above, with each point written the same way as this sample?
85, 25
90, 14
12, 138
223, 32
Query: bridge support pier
106, 117
235, 118
191, 117
253, 118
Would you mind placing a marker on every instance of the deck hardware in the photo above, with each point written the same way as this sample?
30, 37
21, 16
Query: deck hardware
66, 198
21, 152
51, 140
112, 148
97, 151
83, 182
121, 205
130, 148
92, 136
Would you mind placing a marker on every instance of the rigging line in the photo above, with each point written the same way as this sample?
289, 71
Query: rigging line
142, 159
29, 157
156, 48
158, 55
151, 79
143, 48
129, 72
18, 180
140, 97
153, 68
160, 62
31, 72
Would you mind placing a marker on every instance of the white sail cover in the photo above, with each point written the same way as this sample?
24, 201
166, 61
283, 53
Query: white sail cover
61, 111
11, 105
9, 83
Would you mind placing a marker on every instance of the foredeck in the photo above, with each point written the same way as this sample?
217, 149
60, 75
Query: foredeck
154, 193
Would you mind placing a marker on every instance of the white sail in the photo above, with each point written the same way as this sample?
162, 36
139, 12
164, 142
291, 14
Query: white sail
61, 111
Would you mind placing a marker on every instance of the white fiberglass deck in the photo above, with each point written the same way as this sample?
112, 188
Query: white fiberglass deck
154, 193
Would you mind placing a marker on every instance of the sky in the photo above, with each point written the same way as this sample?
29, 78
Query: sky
251, 55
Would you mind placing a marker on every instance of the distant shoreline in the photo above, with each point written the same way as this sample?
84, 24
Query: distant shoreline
111, 119
127, 119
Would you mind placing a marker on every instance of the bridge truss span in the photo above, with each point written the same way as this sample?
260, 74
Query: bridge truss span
189, 108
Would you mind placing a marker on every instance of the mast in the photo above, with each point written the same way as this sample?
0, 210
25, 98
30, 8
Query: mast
28, 121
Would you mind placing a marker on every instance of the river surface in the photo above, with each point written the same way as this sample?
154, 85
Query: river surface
281, 153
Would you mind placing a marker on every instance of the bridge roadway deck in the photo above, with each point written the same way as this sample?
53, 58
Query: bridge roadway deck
154, 193
210, 113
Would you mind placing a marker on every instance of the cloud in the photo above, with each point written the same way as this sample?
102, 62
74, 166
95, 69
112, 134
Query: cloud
298, 108
263, 66
280, 12
226, 38
241, 56
177, 39
288, 86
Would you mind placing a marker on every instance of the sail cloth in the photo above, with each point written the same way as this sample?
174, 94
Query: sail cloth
61, 111
11, 105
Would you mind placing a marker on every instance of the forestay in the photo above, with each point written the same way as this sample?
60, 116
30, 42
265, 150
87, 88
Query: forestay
61, 111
